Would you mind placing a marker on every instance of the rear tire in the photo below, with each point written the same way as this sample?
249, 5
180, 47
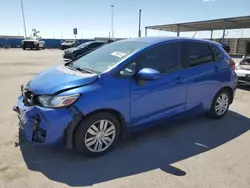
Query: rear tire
220, 104
97, 135
37, 47
24, 48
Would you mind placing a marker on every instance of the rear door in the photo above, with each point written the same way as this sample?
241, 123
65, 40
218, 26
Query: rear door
200, 74
162, 98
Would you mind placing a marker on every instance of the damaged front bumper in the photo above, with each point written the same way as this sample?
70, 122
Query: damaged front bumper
44, 126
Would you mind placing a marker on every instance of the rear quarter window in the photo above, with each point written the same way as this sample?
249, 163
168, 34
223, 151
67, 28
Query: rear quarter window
217, 53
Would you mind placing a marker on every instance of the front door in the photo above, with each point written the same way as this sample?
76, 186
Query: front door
162, 98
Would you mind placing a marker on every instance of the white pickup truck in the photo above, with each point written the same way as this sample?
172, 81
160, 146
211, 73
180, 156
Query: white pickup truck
33, 42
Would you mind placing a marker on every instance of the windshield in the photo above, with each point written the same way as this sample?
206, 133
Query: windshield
106, 57
68, 41
84, 44
30, 38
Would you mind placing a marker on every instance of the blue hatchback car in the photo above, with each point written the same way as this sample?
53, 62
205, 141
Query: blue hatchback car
87, 104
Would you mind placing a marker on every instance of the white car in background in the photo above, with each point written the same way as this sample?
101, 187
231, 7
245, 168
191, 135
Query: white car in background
33, 43
243, 70
68, 44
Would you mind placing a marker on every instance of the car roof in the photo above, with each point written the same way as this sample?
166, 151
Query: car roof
155, 40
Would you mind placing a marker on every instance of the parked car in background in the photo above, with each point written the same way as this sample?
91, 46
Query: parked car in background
84, 48
68, 44
128, 85
243, 70
33, 43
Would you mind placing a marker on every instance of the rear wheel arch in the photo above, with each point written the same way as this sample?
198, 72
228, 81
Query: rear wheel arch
219, 109
230, 91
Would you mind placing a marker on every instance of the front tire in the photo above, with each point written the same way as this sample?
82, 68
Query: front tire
220, 104
97, 135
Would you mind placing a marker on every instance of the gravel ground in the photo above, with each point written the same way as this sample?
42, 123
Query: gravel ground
198, 152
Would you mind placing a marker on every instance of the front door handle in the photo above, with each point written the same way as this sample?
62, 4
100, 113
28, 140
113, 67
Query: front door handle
179, 79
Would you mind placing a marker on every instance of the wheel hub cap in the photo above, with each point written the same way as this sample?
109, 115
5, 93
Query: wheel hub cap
221, 104
100, 136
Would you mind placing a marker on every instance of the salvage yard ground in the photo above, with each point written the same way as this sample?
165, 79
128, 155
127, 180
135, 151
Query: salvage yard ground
195, 153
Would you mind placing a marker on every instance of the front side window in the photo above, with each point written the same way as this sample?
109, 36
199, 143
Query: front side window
161, 58
196, 53
107, 56
129, 70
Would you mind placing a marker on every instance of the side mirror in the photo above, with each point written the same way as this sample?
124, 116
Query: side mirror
148, 74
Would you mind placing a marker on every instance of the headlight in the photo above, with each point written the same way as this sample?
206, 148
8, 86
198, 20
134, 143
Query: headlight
58, 101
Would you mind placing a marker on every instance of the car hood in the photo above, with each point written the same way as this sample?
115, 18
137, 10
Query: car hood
59, 78
30, 40
67, 43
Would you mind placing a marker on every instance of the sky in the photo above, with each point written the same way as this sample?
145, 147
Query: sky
92, 18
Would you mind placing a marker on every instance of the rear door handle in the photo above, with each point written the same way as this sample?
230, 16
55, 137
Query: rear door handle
216, 68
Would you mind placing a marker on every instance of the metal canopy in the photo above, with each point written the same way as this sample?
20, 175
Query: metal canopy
209, 25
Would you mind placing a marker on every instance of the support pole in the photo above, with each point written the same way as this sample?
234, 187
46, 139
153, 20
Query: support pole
224, 31
139, 29
24, 24
211, 37
112, 21
146, 31
236, 45
178, 30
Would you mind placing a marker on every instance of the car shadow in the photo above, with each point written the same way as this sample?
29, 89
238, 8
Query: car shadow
244, 86
156, 148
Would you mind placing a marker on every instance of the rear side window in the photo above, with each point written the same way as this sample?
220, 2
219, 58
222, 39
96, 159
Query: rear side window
163, 58
216, 52
196, 53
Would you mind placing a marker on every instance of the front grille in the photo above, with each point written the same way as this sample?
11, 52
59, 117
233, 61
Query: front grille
28, 42
243, 79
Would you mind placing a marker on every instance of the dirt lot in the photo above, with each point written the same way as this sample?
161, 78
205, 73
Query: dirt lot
199, 152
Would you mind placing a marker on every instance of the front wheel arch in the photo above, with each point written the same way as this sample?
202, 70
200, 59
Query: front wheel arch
74, 125
83, 127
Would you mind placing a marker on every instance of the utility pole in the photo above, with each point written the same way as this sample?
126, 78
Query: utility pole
112, 21
139, 29
24, 25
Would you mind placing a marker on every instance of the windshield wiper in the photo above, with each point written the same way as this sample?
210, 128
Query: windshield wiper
83, 70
